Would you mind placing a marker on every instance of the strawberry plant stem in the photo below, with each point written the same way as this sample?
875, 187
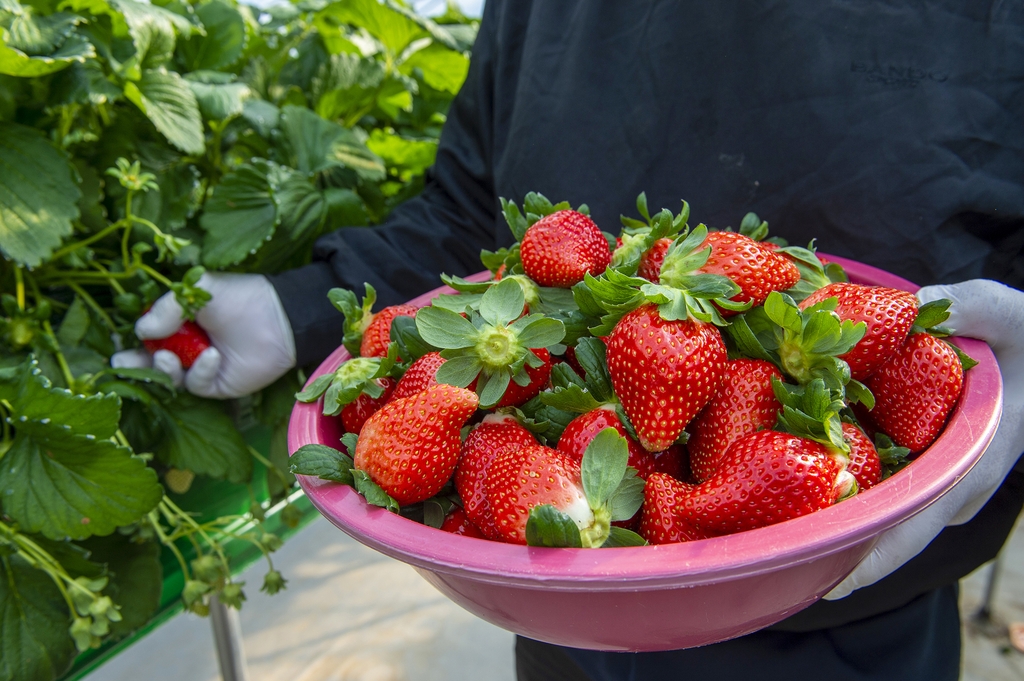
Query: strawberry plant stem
19, 284
91, 302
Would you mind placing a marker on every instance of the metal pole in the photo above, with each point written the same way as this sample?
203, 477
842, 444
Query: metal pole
984, 613
227, 638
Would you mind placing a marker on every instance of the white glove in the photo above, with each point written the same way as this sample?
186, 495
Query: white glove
994, 313
252, 341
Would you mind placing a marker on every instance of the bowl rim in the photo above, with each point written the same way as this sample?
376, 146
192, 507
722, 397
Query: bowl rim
855, 521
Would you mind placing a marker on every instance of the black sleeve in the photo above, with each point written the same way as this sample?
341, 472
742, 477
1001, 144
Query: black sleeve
442, 230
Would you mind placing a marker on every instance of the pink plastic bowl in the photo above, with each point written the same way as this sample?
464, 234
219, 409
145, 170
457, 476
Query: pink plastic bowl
671, 596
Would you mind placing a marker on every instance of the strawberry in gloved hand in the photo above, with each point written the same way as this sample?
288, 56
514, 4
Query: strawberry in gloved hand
250, 339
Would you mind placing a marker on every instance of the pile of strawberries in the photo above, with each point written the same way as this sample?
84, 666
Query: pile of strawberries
667, 384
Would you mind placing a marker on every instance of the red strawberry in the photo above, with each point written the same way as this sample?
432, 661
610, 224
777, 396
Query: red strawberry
560, 248
457, 522
755, 269
743, 404
865, 465
354, 414
765, 478
187, 343
377, 335
916, 390
652, 259
516, 394
578, 435
419, 376
494, 435
663, 372
410, 446
522, 479
889, 313
661, 522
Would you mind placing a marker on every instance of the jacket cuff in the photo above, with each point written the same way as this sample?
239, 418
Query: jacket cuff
317, 326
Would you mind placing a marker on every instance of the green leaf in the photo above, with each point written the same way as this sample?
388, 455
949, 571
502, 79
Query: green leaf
38, 197
240, 216
411, 155
75, 323
37, 405
491, 387
34, 622
547, 526
393, 29
14, 62
346, 85
152, 29
263, 116
620, 537
540, 331
628, 496
459, 371
60, 485
314, 390
783, 311
218, 95
932, 313
572, 398
345, 208
502, 303
372, 492
445, 329
323, 462
224, 40
169, 103
315, 145
604, 464
443, 69
199, 436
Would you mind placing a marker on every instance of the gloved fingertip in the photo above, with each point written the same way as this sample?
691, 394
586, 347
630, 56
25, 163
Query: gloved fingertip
201, 378
163, 319
169, 363
131, 359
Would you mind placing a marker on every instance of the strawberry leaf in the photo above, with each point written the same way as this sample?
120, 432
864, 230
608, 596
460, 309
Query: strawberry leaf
603, 466
322, 462
502, 303
372, 492
547, 526
573, 398
410, 345
459, 371
628, 496
357, 316
515, 219
591, 353
783, 310
538, 331
966, 361
754, 227
314, 390
931, 314
445, 329
621, 537
858, 392
491, 386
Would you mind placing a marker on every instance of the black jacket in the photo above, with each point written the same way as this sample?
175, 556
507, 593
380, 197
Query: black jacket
890, 130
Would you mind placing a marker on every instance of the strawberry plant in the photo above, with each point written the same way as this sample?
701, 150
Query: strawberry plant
142, 143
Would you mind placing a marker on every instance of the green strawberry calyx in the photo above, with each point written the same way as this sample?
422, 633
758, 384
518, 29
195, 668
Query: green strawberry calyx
805, 344
571, 393
813, 412
613, 491
929, 318
493, 344
357, 315
638, 237
347, 382
681, 295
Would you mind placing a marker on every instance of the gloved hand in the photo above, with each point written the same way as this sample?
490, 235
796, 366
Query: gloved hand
994, 313
252, 341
